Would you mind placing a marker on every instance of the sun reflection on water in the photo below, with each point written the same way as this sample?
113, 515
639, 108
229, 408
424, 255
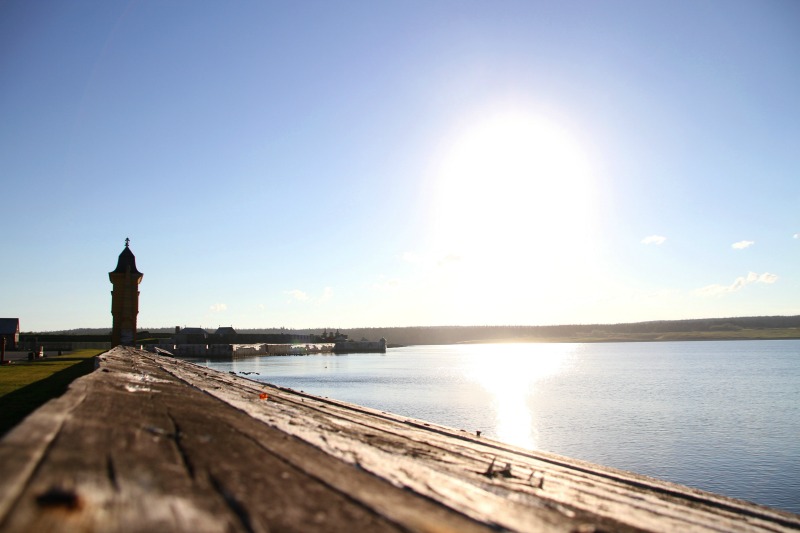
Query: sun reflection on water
510, 376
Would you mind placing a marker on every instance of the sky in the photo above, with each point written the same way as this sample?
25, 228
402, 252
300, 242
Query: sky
317, 164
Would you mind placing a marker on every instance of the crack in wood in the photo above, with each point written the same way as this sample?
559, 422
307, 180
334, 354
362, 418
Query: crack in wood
112, 473
236, 507
177, 438
323, 480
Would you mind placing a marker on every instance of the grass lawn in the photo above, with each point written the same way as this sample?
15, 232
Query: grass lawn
25, 385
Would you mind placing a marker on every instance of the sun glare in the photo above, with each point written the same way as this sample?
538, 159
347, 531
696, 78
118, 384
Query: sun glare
510, 379
513, 201
510, 180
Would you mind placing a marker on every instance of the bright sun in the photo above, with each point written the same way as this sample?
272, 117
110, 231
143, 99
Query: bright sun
513, 201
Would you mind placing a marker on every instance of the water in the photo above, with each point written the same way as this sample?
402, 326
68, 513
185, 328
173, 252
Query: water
719, 416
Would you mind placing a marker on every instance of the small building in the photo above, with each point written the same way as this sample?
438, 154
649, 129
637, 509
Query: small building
9, 331
191, 336
224, 335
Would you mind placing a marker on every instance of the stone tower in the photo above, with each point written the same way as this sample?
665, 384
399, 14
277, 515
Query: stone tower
125, 298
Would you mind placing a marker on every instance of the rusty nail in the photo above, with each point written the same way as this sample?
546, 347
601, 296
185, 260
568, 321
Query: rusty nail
490, 471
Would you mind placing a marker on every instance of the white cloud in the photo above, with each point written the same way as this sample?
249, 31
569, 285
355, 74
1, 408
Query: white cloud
218, 308
796, 235
297, 294
738, 284
654, 239
741, 245
766, 277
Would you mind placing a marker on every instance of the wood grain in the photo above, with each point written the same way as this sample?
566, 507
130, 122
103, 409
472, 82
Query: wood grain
152, 443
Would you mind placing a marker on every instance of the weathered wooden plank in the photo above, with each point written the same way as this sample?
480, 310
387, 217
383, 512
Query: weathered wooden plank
155, 443
579, 490
142, 451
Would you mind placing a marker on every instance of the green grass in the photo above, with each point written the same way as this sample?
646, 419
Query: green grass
26, 385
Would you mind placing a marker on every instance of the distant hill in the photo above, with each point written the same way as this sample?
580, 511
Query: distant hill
761, 327
662, 330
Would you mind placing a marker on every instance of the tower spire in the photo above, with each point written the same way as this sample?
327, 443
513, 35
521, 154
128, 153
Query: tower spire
125, 297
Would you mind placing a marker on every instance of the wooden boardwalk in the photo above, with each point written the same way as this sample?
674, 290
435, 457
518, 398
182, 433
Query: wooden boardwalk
150, 443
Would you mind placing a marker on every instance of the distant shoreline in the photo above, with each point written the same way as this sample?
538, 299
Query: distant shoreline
744, 335
732, 328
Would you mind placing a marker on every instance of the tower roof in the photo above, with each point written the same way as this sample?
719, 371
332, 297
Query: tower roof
126, 262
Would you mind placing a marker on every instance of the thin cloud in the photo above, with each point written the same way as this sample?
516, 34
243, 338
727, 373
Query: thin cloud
796, 236
741, 245
654, 239
297, 294
738, 284
219, 308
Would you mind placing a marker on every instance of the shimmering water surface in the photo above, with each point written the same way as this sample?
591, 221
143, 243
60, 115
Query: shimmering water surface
719, 416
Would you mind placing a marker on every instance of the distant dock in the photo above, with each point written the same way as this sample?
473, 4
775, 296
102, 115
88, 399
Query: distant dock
240, 350
151, 443
257, 349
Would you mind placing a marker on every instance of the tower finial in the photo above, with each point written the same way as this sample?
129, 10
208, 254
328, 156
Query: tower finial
127, 241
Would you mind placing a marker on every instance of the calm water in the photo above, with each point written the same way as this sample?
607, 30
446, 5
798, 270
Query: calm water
720, 416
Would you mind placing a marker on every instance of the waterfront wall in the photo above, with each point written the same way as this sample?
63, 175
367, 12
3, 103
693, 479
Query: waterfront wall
239, 350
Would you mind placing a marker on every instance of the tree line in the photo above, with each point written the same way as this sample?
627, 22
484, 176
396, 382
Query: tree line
459, 334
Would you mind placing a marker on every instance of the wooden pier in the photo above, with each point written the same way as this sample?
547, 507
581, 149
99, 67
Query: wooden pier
151, 443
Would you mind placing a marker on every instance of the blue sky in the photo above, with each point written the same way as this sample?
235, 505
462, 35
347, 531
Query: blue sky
345, 164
